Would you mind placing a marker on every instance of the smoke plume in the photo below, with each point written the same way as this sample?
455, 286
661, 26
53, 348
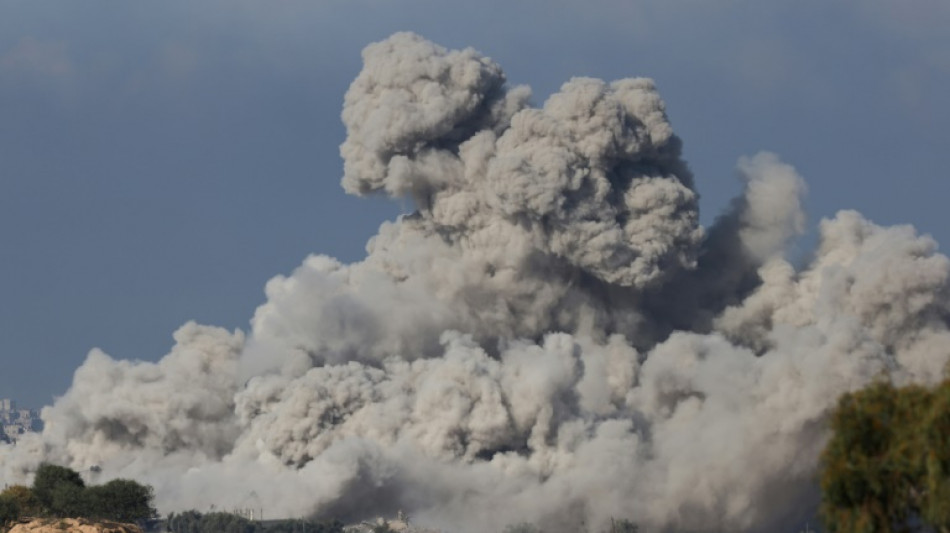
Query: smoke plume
550, 337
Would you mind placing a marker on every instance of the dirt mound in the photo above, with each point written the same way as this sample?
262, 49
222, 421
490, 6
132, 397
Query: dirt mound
72, 525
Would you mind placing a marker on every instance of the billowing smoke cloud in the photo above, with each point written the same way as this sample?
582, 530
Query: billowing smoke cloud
551, 337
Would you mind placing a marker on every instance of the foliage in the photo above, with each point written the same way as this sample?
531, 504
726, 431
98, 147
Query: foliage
48, 477
68, 500
196, 522
309, 526
622, 526
27, 502
9, 509
228, 523
886, 468
616, 526
122, 500
60, 492
186, 522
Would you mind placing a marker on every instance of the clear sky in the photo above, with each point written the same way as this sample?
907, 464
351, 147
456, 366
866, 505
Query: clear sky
159, 161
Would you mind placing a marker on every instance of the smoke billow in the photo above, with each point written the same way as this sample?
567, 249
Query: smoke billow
551, 337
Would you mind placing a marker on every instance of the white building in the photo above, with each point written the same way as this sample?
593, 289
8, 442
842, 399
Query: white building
15, 422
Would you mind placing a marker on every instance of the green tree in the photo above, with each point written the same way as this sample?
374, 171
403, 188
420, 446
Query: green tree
186, 522
309, 526
48, 477
25, 499
122, 500
227, 523
69, 500
9, 510
886, 468
195, 522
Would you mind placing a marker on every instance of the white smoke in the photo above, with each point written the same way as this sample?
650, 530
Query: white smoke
551, 337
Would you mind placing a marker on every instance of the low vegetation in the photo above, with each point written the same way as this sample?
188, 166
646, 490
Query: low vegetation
616, 526
195, 522
887, 466
59, 492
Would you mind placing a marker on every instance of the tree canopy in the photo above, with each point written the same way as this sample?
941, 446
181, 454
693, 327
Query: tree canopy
58, 491
122, 500
9, 510
218, 522
49, 477
887, 466
25, 499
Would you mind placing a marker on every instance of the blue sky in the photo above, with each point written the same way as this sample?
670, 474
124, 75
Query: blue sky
159, 161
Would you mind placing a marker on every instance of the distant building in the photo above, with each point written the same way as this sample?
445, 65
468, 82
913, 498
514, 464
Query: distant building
15, 422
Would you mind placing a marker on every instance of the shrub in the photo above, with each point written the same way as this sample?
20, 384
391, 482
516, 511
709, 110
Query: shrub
9, 510
622, 526
48, 477
69, 501
122, 500
886, 467
28, 503
195, 522
60, 492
